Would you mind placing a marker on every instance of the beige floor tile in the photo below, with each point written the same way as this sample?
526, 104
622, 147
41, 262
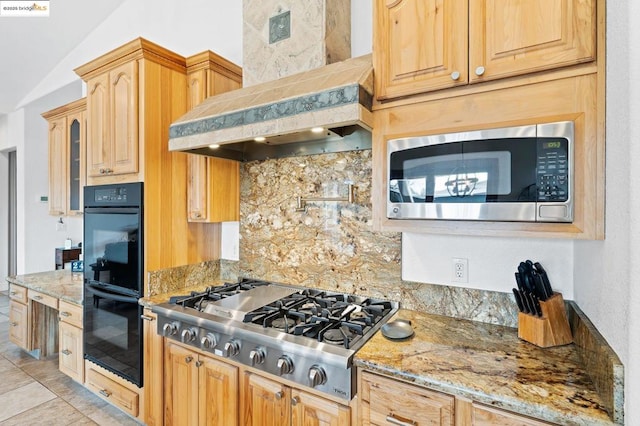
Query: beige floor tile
14, 379
54, 412
23, 399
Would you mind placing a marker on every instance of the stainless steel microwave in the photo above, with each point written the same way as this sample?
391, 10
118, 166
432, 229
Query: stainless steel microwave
522, 174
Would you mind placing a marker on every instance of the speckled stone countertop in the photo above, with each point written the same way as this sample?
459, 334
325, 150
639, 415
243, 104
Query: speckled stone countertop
488, 364
157, 299
62, 284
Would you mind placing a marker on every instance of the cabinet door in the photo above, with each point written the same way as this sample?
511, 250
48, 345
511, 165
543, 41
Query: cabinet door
98, 143
197, 188
310, 410
70, 360
123, 95
385, 401
486, 416
19, 324
153, 374
420, 45
218, 385
515, 37
76, 129
58, 166
266, 403
181, 386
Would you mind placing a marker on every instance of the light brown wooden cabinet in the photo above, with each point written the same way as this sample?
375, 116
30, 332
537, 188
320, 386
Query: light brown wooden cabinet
425, 45
384, 400
67, 144
213, 192
112, 103
153, 347
387, 401
266, 401
71, 357
199, 389
19, 324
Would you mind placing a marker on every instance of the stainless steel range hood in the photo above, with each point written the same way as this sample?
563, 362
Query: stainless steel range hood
335, 97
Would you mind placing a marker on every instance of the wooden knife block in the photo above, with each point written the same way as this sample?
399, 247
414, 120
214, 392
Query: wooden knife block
551, 329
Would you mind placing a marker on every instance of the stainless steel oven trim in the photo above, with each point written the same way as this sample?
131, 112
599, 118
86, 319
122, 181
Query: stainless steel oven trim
507, 212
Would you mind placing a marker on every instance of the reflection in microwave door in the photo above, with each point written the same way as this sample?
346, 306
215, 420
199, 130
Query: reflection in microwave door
408, 190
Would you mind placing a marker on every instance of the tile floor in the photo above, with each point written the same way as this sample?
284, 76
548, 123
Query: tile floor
35, 392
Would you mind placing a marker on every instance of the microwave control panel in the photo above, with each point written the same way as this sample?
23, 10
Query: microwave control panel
552, 169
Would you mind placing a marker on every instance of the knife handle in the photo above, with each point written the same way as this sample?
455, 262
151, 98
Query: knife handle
516, 294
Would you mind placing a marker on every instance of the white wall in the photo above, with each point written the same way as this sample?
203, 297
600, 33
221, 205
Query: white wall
492, 261
183, 27
4, 208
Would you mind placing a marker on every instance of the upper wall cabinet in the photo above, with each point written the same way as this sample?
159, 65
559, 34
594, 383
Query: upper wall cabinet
66, 157
425, 45
112, 99
213, 192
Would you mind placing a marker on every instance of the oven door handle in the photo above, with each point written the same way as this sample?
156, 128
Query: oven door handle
113, 296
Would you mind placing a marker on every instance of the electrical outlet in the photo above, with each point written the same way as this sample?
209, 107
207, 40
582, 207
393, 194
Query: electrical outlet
460, 270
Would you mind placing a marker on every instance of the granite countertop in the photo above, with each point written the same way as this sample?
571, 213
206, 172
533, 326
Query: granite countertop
62, 284
488, 364
157, 299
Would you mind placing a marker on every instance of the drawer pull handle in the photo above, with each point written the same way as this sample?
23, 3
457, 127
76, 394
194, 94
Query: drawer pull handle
37, 297
147, 317
65, 314
66, 352
105, 393
14, 324
391, 418
13, 293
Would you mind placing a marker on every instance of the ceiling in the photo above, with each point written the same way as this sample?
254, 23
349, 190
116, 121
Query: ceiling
31, 47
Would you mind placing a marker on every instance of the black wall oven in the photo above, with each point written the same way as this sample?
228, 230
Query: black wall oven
113, 278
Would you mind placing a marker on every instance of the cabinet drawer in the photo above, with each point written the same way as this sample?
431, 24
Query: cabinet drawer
387, 401
70, 313
17, 293
116, 393
45, 299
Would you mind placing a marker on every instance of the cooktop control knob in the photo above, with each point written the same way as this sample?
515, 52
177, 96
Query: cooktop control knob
169, 329
209, 341
188, 335
285, 365
317, 376
231, 348
257, 356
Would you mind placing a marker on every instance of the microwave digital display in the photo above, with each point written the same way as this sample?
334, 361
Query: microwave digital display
509, 174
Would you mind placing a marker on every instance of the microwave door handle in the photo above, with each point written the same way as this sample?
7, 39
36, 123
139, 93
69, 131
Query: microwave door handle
113, 296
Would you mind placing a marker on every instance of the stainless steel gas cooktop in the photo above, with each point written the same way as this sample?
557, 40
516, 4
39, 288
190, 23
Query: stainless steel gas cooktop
304, 335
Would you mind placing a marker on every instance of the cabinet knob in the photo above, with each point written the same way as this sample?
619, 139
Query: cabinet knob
188, 359
199, 363
455, 75
479, 70
101, 171
147, 318
279, 395
295, 400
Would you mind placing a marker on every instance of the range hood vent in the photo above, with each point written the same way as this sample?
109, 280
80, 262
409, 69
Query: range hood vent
335, 97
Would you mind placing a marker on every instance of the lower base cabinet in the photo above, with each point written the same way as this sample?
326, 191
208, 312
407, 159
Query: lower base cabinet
112, 388
384, 400
19, 324
71, 357
199, 390
266, 401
